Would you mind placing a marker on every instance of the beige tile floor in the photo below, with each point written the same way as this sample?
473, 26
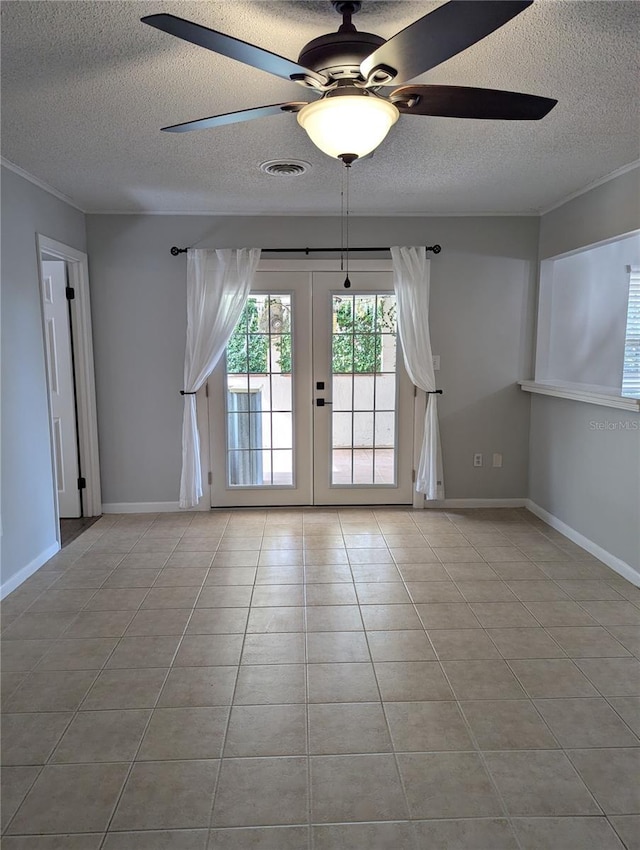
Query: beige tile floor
330, 679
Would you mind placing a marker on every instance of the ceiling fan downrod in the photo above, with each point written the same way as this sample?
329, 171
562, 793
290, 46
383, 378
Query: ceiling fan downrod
346, 8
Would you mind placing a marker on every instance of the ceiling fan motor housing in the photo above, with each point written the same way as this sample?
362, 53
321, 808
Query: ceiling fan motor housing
339, 54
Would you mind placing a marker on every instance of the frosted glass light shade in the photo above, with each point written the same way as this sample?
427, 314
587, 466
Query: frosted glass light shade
345, 124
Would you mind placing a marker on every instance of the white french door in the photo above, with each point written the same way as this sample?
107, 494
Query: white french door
312, 404
260, 410
363, 422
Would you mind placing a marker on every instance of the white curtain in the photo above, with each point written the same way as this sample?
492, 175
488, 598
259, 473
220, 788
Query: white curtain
218, 284
411, 284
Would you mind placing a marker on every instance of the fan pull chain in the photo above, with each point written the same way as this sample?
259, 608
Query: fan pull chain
347, 159
347, 165
342, 221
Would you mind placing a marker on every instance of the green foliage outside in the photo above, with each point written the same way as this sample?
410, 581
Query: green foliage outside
283, 347
247, 350
357, 340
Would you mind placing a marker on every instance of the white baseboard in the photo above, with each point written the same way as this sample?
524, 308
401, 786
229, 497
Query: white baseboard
617, 564
139, 507
22, 575
477, 503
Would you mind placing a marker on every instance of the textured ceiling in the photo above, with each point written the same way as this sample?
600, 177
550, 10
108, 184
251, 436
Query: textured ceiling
86, 88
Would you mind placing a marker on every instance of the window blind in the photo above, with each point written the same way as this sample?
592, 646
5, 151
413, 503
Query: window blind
631, 368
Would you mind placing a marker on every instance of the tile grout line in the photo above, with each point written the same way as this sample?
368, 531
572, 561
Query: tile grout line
305, 624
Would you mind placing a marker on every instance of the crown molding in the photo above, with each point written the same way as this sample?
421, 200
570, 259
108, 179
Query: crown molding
315, 214
611, 176
11, 166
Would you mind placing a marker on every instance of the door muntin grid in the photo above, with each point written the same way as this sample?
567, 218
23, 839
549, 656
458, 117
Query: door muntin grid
259, 395
364, 390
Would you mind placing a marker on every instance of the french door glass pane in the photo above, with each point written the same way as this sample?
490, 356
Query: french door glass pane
385, 392
364, 389
384, 471
363, 392
342, 466
362, 466
259, 395
363, 429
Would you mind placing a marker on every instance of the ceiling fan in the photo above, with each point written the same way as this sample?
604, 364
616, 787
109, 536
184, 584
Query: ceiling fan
352, 70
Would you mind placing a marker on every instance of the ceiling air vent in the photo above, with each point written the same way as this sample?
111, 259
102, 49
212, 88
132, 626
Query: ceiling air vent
285, 168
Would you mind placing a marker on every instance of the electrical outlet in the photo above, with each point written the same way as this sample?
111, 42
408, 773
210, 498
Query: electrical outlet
497, 459
436, 362
477, 459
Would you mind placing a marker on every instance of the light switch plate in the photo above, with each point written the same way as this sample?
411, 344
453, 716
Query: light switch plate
436, 362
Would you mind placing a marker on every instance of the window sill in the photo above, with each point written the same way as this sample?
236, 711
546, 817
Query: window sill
577, 393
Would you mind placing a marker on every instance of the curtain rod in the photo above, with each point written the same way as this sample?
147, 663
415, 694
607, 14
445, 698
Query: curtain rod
435, 248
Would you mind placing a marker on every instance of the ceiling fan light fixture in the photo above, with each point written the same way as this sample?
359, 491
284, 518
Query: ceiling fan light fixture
348, 124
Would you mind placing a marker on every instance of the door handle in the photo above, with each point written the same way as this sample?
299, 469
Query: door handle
320, 402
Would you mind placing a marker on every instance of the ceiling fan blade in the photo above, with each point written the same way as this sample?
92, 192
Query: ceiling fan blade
234, 48
464, 102
441, 34
234, 117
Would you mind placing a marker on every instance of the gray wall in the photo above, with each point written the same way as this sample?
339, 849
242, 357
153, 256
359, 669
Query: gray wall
606, 211
586, 477
28, 514
483, 291
585, 470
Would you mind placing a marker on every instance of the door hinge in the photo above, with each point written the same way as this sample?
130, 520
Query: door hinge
210, 478
82, 483
206, 390
413, 476
70, 293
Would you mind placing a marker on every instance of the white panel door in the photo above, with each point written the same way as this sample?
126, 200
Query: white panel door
60, 367
311, 404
